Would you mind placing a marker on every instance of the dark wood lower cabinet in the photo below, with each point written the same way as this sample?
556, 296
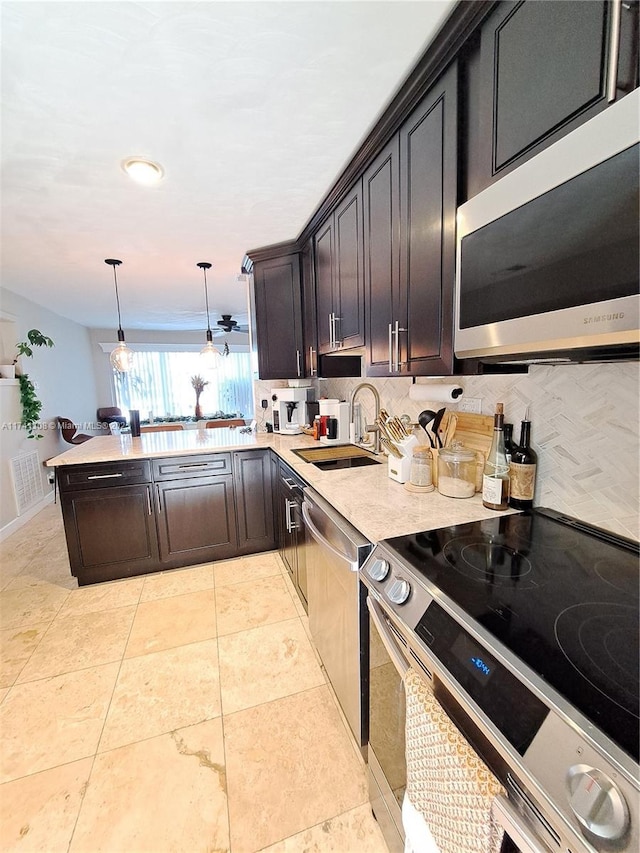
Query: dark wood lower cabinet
111, 532
190, 510
254, 503
291, 528
196, 520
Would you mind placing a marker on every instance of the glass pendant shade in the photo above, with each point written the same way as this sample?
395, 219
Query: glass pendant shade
121, 357
209, 353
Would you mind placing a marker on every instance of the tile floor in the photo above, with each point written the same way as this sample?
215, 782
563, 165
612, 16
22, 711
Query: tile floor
184, 711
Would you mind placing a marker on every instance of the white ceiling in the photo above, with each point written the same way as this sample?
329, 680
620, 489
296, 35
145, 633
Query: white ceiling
252, 108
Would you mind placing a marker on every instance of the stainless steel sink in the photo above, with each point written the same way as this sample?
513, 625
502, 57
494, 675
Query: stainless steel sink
335, 457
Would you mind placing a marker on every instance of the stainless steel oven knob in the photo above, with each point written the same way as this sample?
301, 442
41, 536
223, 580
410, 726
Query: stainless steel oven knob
378, 570
597, 802
399, 591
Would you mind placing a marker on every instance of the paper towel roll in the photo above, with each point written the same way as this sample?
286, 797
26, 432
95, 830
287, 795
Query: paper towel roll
436, 392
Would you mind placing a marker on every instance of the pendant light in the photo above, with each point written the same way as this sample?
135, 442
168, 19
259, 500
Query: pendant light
121, 357
209, 353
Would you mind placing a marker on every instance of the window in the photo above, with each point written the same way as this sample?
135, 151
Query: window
160, 382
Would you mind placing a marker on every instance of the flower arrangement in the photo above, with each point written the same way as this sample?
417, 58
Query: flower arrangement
198, 384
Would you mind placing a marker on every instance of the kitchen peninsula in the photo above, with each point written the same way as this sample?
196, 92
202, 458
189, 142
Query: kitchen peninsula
166, 500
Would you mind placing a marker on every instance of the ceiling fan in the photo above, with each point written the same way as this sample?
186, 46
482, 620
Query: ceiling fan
226, 324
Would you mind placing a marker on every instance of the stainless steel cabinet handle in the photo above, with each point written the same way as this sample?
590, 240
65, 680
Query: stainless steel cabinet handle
290, 483
298, 362
288, 506
614, 50
149, 510
390, 348
313, 530
159, 496
198, 465
312, 370
103, 476
337, 343
332, 331
397, 348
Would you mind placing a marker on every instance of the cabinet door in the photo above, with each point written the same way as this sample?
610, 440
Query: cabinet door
428, 184
287, 534
323, 246
348, 271
254, 505
301, 553
196, 520
110, 532
545, 68
278, 307
381, 197
309, 321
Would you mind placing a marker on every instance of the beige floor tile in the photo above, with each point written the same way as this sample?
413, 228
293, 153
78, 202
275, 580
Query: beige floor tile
103, 596
162, 691
293, 593
53, 721
16, 647
170, 622
241, 606
290, 766
39, 812
77, 642
50, 565
246, 569
357, 831
178, 582
266, 663
30, 605
179, 806
3, 693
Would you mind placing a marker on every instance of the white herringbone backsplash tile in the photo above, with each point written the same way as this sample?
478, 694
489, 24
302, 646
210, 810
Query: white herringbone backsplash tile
584, 430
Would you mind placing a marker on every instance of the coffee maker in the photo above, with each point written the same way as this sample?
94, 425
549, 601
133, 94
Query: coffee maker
290, 409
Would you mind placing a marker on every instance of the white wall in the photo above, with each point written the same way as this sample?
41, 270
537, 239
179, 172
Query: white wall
65, 384
584, 430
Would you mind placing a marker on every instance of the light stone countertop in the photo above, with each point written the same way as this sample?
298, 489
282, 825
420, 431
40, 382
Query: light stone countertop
376, 505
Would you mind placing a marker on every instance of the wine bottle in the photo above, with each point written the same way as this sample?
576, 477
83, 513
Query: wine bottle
522, 469
495, 479
508, 440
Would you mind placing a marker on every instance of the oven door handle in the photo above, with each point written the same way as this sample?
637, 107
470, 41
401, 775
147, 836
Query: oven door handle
392, 648
515, 827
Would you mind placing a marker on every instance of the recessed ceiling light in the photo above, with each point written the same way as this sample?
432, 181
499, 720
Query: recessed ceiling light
143, 171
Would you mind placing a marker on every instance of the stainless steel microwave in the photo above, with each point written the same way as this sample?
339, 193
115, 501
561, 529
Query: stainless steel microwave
548, 257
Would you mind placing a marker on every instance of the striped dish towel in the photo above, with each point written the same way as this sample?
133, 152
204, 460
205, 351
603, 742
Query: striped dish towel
447, 782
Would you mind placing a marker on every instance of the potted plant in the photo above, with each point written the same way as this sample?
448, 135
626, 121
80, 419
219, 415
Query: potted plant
31, 405
198, 385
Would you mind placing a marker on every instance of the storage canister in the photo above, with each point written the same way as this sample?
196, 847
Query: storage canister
421, 467
457, 471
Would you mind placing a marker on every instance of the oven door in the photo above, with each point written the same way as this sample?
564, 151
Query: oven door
389, 664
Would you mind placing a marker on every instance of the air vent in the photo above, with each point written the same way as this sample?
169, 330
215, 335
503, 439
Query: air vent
27, 480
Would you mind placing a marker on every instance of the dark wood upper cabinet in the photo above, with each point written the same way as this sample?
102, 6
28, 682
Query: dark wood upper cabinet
338, 247
409, 207
545, 68
277, 319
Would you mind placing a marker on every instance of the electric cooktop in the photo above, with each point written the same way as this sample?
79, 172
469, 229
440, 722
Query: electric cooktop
561, 595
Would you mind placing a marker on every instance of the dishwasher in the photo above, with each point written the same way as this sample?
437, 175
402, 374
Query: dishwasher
338, 616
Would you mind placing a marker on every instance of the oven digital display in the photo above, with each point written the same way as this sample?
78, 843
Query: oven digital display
473, 658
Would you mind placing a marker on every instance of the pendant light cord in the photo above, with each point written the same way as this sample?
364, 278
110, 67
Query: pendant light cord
115, 263
204, 266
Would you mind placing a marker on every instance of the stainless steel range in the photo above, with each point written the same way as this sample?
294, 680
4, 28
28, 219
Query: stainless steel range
527, 627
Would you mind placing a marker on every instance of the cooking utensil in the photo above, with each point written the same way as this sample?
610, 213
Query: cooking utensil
390, 447
424, 419
450, 430
436, 425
